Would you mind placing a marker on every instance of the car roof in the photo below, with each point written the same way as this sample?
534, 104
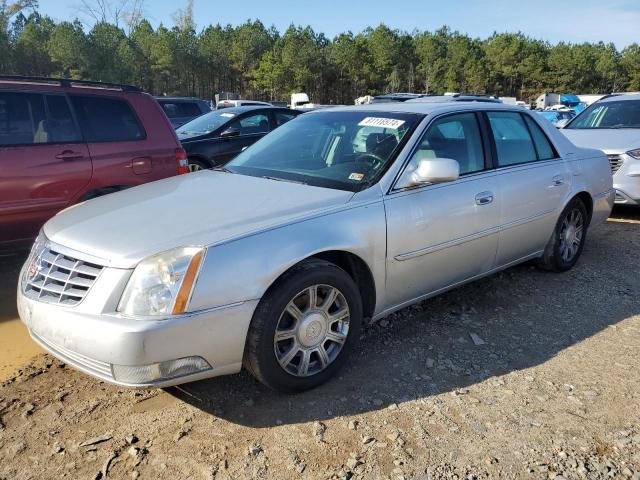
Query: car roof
615, 97
421, 107
453, 98
247, 108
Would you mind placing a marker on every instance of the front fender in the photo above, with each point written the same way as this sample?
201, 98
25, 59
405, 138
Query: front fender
244, 269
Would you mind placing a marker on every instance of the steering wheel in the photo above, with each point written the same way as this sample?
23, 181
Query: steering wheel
374, 160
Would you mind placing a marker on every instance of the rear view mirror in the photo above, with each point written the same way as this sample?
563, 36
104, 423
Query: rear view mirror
432, 170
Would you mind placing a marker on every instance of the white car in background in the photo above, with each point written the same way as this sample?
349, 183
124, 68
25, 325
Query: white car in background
613, 126
240, 103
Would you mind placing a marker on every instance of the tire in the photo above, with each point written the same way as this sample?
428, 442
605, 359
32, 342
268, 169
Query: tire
197, 164
280, 364
562, 252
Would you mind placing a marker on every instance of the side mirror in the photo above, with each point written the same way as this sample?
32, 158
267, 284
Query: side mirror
230, 132
430, 171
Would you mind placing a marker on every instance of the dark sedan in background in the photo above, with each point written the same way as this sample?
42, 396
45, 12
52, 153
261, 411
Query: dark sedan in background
217, 137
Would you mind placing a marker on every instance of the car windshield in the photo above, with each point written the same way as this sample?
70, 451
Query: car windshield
347, 150
207, 123
551, 116
613, 114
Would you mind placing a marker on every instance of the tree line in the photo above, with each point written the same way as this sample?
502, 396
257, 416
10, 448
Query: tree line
262, 63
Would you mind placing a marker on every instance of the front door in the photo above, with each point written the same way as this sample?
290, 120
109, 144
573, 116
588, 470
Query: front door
44, 162
440, 235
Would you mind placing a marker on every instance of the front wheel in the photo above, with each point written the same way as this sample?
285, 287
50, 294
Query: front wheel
566, 243
304, 327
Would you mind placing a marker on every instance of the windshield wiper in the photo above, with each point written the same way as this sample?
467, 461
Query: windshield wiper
277, 179
222, 169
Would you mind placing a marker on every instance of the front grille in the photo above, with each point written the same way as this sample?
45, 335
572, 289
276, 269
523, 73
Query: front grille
57, 278
616, 162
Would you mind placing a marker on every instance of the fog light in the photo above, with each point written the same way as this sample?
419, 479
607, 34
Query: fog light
141, 374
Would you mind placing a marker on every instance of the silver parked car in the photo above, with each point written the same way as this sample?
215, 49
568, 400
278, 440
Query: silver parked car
613, 125
273, 261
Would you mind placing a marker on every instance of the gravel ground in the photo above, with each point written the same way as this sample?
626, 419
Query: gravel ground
525, 374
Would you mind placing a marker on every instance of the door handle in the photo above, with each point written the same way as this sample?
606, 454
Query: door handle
69, 155
558, 180
484, 198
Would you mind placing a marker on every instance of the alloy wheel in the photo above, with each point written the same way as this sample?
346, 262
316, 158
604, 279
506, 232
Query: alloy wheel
312, 330
571, 234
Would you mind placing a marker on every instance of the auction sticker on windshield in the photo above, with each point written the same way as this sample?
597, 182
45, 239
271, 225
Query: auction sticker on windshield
381, 122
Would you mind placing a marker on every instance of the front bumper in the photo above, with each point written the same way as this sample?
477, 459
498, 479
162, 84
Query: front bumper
626, 181
94, 343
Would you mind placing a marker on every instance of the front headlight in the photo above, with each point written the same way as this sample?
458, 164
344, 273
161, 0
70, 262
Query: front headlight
31, 265
162, 284
634, 153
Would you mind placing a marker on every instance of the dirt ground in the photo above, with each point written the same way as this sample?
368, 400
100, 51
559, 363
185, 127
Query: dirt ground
16, 347
547, 387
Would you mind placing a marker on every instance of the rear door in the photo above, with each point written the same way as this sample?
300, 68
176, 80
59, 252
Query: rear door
116, 140
44, 162
533, 182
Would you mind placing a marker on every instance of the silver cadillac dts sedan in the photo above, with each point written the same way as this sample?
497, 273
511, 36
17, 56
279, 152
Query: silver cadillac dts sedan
273, 261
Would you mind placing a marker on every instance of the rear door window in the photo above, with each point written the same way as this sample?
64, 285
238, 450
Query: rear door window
171, 109
22, 119
543, 146
107, 119
189, 109
62, 127
513, 142
180, 109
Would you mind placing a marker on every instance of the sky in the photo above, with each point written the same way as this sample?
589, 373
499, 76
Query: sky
614, 21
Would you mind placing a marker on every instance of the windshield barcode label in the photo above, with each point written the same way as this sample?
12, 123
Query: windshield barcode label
381, 122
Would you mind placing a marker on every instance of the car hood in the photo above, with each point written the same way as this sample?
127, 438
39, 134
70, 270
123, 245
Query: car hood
202, 208
621, 139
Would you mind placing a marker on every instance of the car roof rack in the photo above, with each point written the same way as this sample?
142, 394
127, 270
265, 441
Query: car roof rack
69, 82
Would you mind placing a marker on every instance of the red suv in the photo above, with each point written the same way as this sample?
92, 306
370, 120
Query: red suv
66, 141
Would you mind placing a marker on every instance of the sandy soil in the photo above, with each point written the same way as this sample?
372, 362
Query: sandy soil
552, 391
16, 347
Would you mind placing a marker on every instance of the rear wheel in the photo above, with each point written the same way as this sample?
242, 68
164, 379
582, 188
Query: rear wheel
196, 165
304, 327
566, 244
